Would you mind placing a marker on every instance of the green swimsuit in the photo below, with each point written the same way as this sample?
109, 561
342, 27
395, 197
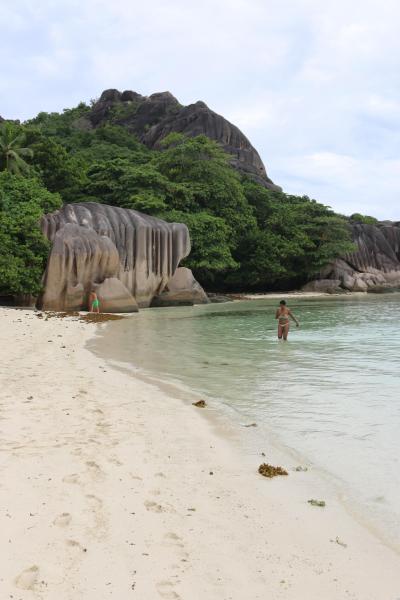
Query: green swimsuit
95, 303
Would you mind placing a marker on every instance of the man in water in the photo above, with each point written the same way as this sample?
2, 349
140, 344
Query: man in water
283, 314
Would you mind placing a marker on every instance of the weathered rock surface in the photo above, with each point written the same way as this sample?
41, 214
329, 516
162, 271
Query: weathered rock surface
181, 289
218, 298
374, 263
114, 297
322, 285
128, 257
79, 257
153, 117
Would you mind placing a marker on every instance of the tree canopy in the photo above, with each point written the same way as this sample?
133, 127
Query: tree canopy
12, 150
244, 236
23, 248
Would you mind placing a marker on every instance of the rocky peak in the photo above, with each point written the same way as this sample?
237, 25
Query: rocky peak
110, 96
152, 118
163, 97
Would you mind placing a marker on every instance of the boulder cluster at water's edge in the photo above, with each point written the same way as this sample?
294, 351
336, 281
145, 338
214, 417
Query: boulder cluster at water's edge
373, 266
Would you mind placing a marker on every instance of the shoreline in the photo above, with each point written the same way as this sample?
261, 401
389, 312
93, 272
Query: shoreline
299, 294
247, 436
112, 488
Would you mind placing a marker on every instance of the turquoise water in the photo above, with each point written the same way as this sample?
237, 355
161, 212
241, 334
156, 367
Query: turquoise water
331, 393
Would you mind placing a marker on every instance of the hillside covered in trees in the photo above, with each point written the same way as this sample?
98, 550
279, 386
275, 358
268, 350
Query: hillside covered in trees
246, 233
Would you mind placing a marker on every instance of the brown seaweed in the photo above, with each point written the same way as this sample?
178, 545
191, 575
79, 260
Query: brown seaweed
267, 470
200, 404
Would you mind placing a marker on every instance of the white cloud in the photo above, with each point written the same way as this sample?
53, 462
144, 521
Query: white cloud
314, 85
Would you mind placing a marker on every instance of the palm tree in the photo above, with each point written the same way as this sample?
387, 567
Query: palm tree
12, 152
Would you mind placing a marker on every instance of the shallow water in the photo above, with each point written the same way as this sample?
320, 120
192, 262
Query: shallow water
331, 393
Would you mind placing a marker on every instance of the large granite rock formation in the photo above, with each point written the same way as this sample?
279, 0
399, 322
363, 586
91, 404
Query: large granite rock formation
181, 289
153, 117
375, 264
126, 256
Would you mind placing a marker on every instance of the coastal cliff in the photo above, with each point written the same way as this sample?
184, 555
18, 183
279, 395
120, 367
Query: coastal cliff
127, 257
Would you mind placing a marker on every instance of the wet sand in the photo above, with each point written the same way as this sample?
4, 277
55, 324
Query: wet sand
112, 488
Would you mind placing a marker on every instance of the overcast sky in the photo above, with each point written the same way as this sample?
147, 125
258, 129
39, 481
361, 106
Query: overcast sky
315, 85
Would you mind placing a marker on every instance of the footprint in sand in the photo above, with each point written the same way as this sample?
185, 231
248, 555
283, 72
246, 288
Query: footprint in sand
75, 544
93, 465
74, 478
27, 579
172, 539
153, 506
94, 469
63, 520
77, 452
96, 502
165, 589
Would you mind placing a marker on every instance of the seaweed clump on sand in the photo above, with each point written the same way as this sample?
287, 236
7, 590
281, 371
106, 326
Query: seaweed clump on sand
87, 318
99, 317
200, 404
314, 502
269, 471
57, 315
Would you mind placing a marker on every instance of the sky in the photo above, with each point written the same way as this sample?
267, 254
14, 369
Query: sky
314, 85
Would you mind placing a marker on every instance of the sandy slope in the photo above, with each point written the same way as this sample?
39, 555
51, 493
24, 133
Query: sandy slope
109, 488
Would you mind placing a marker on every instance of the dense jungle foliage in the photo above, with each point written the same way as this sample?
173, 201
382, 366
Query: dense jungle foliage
243, 235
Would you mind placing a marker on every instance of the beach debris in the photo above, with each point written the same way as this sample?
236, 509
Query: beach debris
338, 541
251, 425
200, 404
86, 318
262, 453
316, 502
99, 317
211, 473
59, 315
269, 471
300, 469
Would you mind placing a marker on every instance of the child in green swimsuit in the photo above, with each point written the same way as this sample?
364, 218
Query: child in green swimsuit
94, 304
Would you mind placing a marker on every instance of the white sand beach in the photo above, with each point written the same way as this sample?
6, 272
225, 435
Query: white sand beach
112, 488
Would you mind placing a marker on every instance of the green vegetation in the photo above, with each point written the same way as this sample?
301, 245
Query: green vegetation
243, 235
365, 219
23, 248
12, 151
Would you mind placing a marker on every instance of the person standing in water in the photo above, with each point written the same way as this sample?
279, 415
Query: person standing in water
94, 304
283, 314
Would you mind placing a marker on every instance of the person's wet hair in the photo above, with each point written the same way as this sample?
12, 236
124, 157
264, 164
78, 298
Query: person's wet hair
282, 302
